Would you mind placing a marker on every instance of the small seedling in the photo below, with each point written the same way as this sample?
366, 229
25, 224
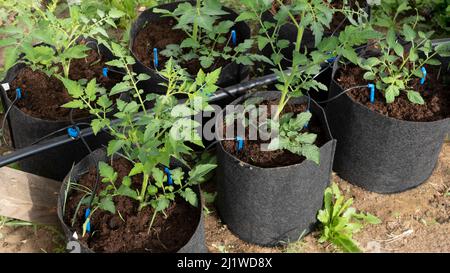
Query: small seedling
339, 221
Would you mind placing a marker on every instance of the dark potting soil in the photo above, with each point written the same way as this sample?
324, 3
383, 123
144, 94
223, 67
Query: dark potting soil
43, 95
159, 35
112, 234
434, 91
252, 154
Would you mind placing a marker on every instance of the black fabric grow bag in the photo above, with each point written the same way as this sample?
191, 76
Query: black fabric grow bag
267, 206
196, 243
231, 74
25, 130
380, 153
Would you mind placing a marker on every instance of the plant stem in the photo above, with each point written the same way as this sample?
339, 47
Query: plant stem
143, 190
151, 222
195, 27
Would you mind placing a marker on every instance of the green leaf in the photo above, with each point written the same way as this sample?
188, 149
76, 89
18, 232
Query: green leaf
415, 97
73, 88
190, 196
127, 191
137, 169
443, 49
107, 172
119, 88
74, 52
409, 33
307, 138
197, 174
91, 88
262, 42
391, 92
143, 77
107, 204
345, 244
311, 152
213, 77
162, 204
115, 13
75, 104
182, 110
114, 146
246, 15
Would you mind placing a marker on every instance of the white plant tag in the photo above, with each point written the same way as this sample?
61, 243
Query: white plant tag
5, 86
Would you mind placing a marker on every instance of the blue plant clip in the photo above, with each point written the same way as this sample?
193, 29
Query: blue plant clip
372, 92
86, 216
169, 176
105, 72
73, 132
233, 37
155, 57
18, 93
240, 143
424, 72
331, 60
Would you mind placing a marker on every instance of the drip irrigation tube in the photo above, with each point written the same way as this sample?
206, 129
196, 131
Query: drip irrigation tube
44, 145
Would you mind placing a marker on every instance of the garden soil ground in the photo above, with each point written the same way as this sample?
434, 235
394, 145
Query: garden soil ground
414, 221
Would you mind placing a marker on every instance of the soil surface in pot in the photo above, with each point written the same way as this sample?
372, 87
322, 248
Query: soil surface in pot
43, 95
159, 34
112, 234
252, 154
434, 91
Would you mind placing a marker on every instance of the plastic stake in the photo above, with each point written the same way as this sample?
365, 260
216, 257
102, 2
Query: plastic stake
240, 143
86, 216
155, 57
372, 92
105, 72
233, 37
424, 71
169, 176
18, 93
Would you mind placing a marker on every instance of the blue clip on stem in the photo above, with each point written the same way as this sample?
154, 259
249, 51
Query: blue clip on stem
233, 37
372, 92
155, 57
169, 176
105, 72
424, 71
73, 132
18, 93
86, 216
240, 143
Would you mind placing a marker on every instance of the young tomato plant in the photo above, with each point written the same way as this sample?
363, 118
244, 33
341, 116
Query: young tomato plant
208, 37
149, 138
315, 15
340, 221
397, 69
58, 39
